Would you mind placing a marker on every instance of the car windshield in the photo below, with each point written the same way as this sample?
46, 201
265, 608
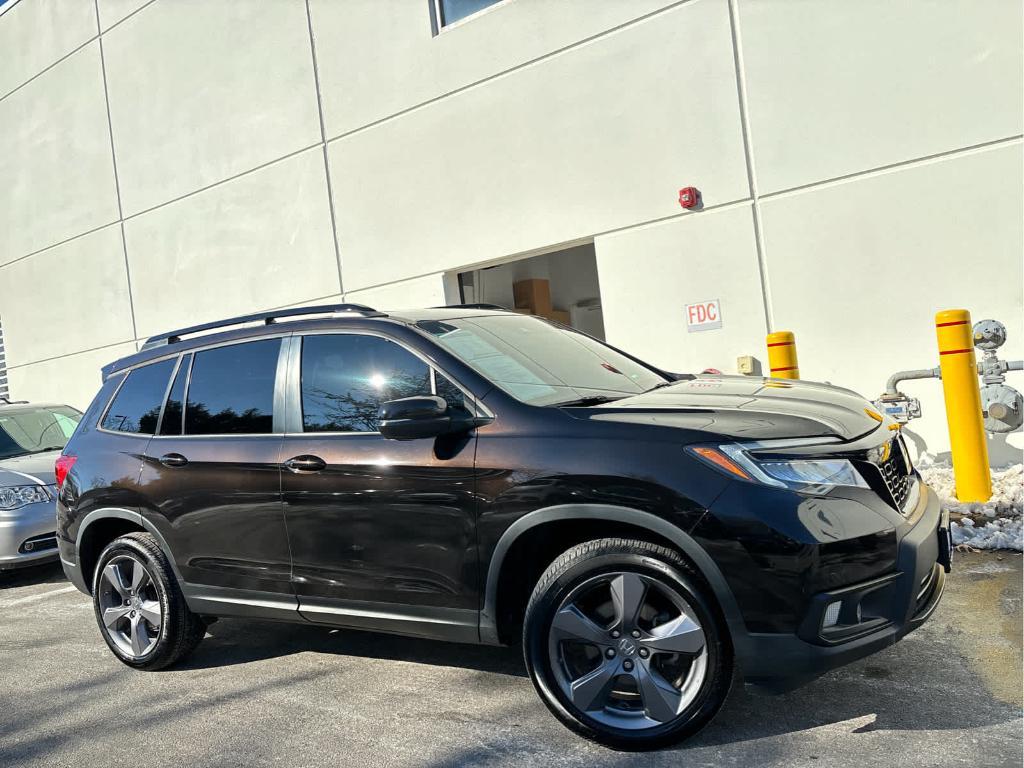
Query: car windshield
34, 429
540, 363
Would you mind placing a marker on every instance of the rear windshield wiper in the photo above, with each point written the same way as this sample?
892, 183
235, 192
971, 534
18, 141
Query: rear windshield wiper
585, 401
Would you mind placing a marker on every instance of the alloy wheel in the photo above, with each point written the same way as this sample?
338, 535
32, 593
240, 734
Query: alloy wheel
130, 607
628, 650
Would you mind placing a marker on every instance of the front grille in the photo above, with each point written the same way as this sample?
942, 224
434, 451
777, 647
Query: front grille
38, 543
896, 473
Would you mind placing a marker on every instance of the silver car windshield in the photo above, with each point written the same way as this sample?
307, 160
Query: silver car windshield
34, 429
540, 363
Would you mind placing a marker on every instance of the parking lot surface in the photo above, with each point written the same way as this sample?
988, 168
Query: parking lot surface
260, 694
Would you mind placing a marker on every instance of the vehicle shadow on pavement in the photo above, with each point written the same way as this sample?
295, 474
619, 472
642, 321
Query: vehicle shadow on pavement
235, 641
47, 573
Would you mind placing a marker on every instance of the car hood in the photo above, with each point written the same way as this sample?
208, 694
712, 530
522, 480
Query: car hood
24, 470
747, 408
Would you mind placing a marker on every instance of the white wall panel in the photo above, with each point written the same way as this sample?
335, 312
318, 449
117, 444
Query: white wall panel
408, 294
600, 137
73, 380
839, 87
649, 274
260, 241
56, 171
66, 299
202, 91
112, 11
36, 33
376, 59
858, 270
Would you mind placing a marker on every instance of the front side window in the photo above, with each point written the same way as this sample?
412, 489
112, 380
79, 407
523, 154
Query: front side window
136, 406
231, 389
540, 363
346, 377
33, 429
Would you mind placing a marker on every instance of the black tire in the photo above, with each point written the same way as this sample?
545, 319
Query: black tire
180, 630
664, 569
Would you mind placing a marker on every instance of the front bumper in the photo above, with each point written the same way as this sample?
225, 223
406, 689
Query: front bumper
874, 614
27, 535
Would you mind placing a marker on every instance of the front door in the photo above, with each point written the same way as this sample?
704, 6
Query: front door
382, 531
212, 476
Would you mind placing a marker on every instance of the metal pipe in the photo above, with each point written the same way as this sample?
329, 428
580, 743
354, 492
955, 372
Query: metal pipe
963, 405
918, 373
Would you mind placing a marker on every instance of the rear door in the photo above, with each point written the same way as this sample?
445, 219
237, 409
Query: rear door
382, 532
212, 475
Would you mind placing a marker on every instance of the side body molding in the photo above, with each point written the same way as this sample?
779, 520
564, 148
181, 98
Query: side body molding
686, 544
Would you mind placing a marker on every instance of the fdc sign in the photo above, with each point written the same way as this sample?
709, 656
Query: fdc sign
703, 316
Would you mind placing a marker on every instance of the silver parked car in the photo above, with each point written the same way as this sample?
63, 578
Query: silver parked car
31, 438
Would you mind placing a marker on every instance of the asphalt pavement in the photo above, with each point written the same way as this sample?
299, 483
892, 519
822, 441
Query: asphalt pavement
263, 694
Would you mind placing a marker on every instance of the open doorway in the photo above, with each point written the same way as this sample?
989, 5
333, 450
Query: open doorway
561, 285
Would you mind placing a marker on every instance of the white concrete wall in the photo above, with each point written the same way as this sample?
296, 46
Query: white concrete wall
172, 161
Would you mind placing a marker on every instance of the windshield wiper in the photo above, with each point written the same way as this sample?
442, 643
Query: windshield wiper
585, 401
48, 448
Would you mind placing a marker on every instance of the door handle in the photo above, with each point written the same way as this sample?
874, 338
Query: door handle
306, 463
173, 460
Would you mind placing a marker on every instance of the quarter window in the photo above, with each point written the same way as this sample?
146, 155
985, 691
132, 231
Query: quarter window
136, 406
346, 377
231, 390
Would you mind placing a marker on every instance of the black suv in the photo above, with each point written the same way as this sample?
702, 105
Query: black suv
471, 474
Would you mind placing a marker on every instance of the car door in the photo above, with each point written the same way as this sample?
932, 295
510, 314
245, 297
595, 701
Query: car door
212, 477
382, 531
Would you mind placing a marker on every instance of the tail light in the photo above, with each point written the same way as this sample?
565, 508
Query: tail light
61, 468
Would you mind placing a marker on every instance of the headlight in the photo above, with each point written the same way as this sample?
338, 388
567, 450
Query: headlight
20, 495
807, 475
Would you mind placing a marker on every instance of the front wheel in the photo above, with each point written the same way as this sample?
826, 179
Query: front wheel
623, 647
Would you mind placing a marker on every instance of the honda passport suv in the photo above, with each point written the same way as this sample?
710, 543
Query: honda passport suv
475, 475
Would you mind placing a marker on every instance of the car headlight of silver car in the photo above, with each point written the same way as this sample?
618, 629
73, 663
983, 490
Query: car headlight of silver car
16, 496
807, 475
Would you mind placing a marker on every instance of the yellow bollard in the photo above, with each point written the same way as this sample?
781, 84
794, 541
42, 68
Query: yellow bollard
782, 362
963, 405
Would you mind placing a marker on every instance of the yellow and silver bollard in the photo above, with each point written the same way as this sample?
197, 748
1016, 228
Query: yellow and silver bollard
963, 405
782, 363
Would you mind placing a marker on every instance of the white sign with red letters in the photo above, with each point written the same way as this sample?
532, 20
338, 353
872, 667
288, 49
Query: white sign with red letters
703, 316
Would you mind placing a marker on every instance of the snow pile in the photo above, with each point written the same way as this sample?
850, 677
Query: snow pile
994, 524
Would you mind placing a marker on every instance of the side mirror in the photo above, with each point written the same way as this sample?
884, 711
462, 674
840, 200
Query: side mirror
411, 418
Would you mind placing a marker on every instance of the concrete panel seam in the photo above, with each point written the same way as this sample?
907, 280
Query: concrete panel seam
511, 70
59, 243
748, 154
323, 140
68, 354
74, 51
897, 166
117, 182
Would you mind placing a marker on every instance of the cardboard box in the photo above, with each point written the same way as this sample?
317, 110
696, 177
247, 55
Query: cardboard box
559, 316
534, 294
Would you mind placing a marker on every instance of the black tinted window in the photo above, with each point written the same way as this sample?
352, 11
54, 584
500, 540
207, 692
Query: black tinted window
231, 390
174, 408
136, 406
345, 378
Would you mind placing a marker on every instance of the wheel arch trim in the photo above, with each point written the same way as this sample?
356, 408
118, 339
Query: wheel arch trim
607, 512
120, 513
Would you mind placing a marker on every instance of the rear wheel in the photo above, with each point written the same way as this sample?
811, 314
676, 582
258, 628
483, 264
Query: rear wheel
139, 607
623, 647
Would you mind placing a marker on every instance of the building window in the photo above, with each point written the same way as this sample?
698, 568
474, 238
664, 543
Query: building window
447, 12
4, 394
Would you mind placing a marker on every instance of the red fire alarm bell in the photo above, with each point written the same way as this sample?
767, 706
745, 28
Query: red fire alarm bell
689, 197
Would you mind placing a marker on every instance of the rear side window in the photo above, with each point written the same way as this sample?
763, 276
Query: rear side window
231, 390
346, 377
136, 406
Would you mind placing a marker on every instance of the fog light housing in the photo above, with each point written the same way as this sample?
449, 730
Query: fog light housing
832, 614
